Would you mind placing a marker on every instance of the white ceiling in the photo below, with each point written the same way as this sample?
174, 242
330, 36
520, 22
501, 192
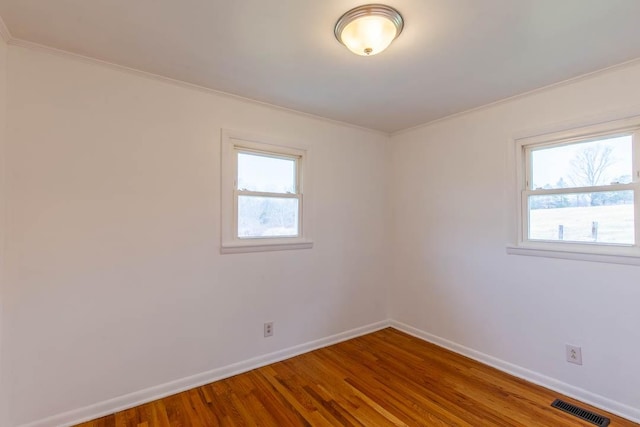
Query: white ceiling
453, 55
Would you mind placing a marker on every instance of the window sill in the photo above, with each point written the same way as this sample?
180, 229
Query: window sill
631, 257
253, 246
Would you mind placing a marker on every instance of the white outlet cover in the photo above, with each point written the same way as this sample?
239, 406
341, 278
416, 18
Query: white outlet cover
268, 329
574, 354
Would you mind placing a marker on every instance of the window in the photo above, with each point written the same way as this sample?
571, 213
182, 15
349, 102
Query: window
578, 193
263, 204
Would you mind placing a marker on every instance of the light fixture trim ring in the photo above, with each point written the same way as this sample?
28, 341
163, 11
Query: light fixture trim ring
369, 10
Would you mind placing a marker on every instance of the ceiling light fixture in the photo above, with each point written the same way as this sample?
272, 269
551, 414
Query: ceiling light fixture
369, 29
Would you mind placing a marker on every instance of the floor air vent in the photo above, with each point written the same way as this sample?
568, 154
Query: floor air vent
574, 410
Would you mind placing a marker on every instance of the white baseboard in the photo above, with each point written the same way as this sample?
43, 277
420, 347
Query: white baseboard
585, 396
157, 392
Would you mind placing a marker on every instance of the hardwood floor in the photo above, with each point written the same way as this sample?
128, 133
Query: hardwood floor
381, 379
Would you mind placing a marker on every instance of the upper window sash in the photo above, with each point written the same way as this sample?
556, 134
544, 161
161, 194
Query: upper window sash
295, 158
529, 148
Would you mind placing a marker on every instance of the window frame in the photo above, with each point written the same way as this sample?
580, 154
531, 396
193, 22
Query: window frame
235, 142
588, 251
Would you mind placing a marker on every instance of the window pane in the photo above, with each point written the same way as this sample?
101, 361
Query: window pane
267, 217
268, 174
603, 217
601, 162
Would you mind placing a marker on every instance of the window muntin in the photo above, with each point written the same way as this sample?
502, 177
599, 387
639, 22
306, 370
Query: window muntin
581, 191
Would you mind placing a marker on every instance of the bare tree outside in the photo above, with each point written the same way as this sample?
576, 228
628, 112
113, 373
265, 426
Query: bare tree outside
590, 165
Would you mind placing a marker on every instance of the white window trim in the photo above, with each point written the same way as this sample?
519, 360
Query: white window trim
230, 243
609, 253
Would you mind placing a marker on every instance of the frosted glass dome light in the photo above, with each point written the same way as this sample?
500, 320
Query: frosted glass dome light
369, 29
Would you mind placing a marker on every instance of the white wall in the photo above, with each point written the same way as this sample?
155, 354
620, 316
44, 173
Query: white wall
453, 194
3, 105
115, 281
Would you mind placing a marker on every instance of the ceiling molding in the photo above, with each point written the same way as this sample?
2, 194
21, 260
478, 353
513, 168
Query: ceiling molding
464, 62
522, 95
145, 74
5, 34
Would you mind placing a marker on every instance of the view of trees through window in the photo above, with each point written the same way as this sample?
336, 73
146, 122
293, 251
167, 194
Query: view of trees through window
596, 216
267, 217
268, 205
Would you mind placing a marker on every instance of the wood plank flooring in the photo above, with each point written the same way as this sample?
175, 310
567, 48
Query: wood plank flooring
386, 378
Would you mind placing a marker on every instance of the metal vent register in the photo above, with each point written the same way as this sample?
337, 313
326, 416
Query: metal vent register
576, 411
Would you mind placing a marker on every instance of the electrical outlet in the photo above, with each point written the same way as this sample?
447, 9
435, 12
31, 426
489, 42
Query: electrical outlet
574, 354
268, 329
